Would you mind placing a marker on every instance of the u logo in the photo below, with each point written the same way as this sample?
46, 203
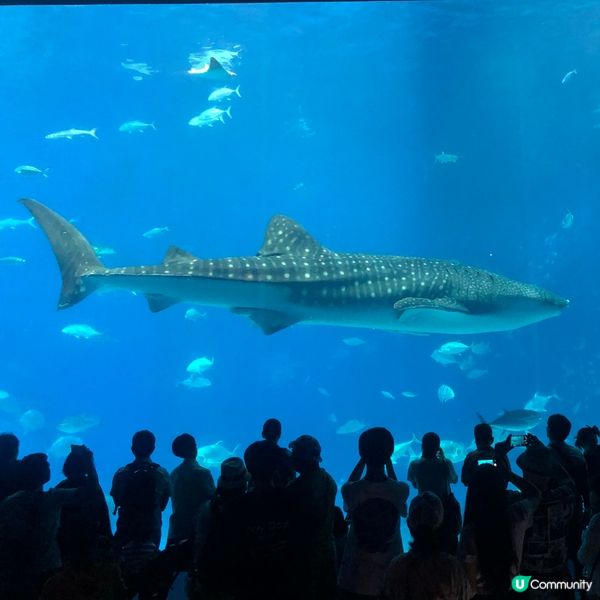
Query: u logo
520, 583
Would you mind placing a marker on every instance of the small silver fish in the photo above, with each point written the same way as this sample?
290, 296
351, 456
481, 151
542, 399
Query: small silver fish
62, 446
139, 67
445, 393
353, 341
104, 251
154, 232
69, 134
135, 127
476, 373
352, 426
31, 170
567, 220
32, 420
209, 117
14, 223
192, 314
78, 423
12, 259
80, 331
444, 158
223, 93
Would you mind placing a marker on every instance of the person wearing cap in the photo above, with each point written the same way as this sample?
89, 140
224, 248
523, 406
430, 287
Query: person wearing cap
425, 572
191, 484
218, 557
313, 497
374, 505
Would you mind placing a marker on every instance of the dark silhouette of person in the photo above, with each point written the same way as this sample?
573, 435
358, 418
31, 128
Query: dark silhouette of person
219, 550
340, 536
192, 486
267, 529
484, 442
589, 553
587, 442
433, 472
90, 573
9, 452
29, 521
494, 528
271, 432
313, 497
141, 491
374, 505
545, 549
90, 513
570, 458
425, 572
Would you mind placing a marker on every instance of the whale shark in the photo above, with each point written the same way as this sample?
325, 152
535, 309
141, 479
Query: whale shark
294, 279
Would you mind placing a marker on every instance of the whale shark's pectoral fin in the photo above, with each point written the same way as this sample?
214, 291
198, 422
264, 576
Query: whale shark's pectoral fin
158, 302
270, 321
445, 304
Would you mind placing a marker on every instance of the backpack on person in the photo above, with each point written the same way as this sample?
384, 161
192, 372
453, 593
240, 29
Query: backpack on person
139, 489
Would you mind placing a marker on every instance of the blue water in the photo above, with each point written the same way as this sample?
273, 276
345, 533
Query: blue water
344, 108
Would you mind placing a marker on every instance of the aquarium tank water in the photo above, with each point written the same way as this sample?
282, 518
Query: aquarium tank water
173, 137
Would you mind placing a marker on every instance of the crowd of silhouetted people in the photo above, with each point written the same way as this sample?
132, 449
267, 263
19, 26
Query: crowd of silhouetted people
270, 528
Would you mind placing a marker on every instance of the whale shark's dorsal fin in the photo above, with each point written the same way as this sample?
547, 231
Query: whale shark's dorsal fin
175, 254
284, 236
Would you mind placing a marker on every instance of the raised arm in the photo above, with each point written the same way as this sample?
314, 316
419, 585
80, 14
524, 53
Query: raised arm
501, 450
357, 471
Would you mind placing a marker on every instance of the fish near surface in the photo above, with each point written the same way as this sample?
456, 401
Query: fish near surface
294, 279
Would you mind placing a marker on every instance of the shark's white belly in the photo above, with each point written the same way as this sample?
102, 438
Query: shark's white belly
422, 320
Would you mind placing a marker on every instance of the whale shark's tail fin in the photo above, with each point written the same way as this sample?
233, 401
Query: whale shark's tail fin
74, 254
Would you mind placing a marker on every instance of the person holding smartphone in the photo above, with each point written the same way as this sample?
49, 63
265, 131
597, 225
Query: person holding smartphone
484, 441
491, 543
433, 472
